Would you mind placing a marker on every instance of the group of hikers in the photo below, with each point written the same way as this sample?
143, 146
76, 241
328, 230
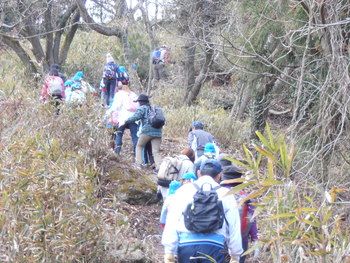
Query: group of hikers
201, 221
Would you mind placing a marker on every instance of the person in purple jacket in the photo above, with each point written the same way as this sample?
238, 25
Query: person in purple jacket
249, 227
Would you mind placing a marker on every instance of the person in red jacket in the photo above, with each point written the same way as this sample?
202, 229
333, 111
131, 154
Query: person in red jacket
53, 89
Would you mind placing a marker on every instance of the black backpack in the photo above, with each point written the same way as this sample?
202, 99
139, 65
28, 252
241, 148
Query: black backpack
206, 213
156, 117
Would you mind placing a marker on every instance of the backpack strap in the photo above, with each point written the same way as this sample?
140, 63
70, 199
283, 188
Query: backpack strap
196, 186
217, 187
176, 170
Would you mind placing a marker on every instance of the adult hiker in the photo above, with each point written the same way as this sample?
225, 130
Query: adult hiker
110, 77
198, 138
53, 90
196, 226
208, 153
125, 107
173, 168
58, 68
159, 57
148, 133
231, 177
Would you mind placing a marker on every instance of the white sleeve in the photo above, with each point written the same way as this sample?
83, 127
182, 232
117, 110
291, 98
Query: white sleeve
170, 237
234, 238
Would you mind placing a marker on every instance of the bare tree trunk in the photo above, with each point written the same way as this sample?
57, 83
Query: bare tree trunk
21, 53
60, 56
189, 69
49, 58
246, 96
152, 38
69, 39
260, 109
198, 84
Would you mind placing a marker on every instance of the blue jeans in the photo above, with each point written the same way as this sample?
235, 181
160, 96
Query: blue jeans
110, 88
133, 127
147, 155
245, 248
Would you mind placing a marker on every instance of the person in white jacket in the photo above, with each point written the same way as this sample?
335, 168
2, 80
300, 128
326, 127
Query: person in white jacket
125, 106
179, 241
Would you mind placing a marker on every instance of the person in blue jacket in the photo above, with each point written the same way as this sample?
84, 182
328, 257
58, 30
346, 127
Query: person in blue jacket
110, 77
148, 133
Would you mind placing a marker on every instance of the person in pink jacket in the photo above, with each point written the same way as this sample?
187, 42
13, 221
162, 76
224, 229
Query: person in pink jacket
53, 87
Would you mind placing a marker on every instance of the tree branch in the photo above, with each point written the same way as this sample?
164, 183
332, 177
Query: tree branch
107, 31
61, 25
69, 38
49, 36
22, 54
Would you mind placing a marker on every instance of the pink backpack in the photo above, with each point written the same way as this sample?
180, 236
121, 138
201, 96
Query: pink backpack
129, 103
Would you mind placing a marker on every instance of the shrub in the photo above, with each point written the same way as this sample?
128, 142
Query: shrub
297, 222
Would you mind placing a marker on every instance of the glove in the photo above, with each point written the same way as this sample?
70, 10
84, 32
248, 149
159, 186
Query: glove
234, 260
169, 258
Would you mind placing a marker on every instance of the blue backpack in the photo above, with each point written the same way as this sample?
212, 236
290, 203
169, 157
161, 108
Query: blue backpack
156, 56
109, 71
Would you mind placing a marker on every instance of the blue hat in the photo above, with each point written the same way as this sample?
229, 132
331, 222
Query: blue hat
173, 186
211, 164
78, 76
197, 125
209, 148
68, 82
122, 69
189, 176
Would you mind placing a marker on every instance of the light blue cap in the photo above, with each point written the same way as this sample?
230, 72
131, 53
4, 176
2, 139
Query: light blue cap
173, 186
68, 82
78, 76
189, 176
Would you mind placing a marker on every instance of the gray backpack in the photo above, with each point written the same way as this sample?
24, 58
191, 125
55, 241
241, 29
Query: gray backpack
55, 87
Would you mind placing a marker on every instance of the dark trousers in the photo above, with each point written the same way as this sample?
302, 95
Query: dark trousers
199, 253
133, 127
245, 248
56, 101
110, 89
147, 155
